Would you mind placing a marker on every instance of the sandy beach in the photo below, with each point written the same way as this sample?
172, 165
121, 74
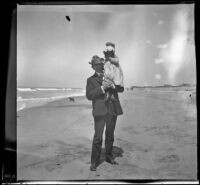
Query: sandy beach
155, 138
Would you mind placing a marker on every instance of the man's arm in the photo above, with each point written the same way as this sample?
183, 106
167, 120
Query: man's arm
92, 92
119, 88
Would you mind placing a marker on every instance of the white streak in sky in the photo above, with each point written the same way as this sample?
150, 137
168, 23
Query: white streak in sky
174, 54
157, 76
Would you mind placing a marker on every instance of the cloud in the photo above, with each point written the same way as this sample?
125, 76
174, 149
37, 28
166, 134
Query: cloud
159, 60
148, 41
160, 22
162, 46
158, 76
155, 14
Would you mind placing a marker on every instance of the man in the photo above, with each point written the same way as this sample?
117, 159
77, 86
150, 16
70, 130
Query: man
104, 112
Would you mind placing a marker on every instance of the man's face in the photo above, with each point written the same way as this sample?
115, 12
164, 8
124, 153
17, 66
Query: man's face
98, 68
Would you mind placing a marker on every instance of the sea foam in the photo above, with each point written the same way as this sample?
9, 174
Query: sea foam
23, 103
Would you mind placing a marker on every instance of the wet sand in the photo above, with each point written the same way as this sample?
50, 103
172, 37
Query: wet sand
155, 138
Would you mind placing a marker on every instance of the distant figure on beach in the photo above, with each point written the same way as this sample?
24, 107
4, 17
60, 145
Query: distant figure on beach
104, 112
112, 68
71, 99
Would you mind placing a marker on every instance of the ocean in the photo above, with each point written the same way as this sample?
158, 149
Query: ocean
31, 97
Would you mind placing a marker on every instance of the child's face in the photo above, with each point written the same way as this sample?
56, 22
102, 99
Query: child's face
109, 48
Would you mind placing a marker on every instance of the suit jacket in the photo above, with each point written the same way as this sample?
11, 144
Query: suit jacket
100, 106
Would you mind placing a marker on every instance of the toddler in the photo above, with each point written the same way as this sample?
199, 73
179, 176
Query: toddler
112, 69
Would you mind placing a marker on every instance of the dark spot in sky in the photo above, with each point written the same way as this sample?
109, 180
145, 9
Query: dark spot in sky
68, 18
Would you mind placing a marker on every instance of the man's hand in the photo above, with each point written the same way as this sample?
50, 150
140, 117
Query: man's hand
107, 84
113, 86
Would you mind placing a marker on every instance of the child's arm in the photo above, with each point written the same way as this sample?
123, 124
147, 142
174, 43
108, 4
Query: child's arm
114, 60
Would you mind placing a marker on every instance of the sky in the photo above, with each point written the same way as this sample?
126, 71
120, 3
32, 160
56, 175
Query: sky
154, 43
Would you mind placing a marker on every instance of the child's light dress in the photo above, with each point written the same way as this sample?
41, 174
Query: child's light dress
114, 73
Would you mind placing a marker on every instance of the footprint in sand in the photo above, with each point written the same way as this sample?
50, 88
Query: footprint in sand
131, 130
169, 158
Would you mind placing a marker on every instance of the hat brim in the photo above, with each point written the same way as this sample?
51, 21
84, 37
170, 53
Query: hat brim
92, 63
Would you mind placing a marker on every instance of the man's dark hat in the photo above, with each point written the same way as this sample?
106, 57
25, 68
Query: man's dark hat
110, 44
96, 60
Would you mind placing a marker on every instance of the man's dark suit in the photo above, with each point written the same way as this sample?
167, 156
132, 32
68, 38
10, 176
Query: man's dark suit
104, 112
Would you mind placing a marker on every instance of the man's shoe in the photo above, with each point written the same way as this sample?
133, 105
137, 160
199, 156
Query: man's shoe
93, 167
112, 161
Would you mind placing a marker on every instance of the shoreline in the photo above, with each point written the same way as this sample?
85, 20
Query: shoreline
22, 106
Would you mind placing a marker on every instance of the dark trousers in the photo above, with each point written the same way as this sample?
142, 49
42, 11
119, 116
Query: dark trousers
100, 122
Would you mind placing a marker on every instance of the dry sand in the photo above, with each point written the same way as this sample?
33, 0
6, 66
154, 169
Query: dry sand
155, 138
